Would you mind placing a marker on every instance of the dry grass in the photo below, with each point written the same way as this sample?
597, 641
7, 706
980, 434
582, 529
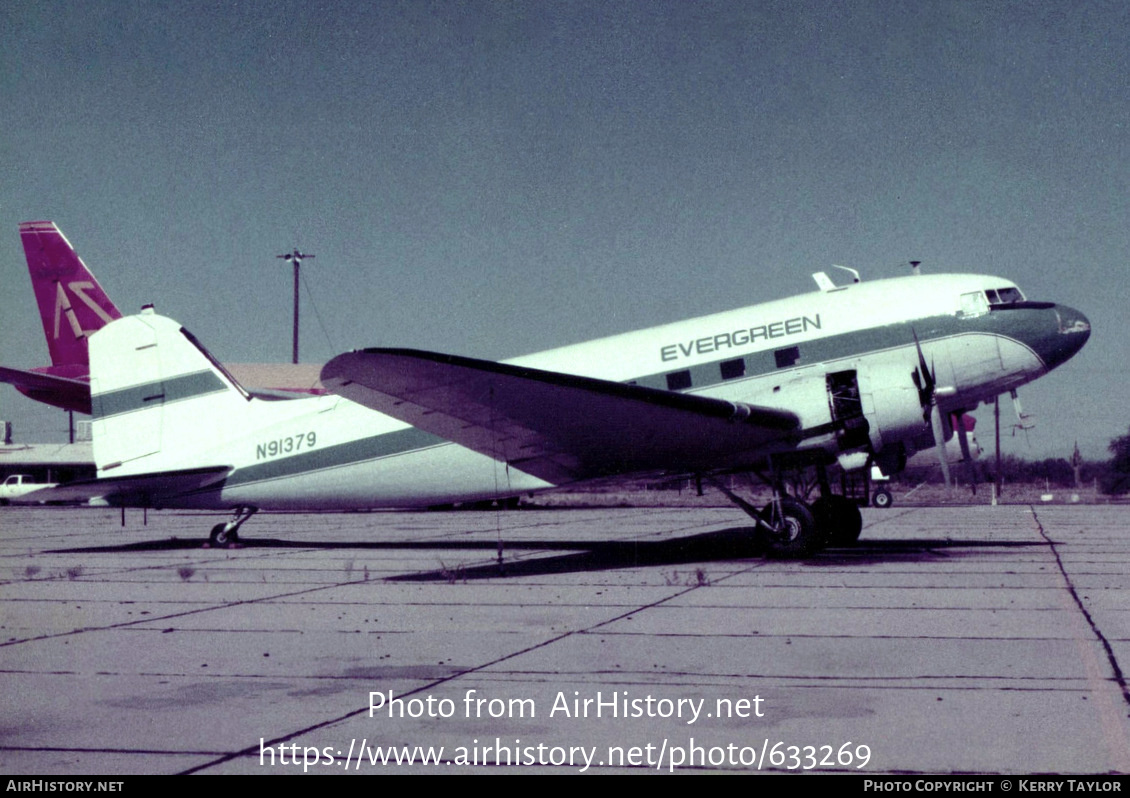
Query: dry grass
904, 496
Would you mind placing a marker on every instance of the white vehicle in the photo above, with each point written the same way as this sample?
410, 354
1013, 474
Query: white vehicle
881, 496
857, 375
17, 486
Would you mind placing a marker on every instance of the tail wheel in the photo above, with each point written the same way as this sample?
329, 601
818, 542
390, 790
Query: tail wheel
839, 519
788, 529
222, 535
227, 534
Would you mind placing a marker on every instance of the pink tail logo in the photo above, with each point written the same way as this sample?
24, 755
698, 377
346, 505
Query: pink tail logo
63, 308
57, 272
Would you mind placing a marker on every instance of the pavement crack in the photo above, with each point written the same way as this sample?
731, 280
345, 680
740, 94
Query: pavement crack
1119, 677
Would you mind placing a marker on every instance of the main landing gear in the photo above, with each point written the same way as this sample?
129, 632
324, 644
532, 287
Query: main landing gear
840, 518
227, 534
790, 527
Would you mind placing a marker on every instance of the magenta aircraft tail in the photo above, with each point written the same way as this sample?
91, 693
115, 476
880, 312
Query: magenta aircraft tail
72, 304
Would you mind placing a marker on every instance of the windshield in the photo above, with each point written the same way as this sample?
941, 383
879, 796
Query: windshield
976, 303
1004, 296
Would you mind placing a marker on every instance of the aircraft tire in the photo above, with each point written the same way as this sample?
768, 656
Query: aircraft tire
839, 519
798, 535
221, 537
882, 499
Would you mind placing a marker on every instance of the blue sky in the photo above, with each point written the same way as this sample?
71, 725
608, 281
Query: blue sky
495, 178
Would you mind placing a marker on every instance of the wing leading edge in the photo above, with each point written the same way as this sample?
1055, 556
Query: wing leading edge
558, 427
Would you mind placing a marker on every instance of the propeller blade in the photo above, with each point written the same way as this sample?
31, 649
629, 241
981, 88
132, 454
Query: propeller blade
924, 379
940, 443
928, 374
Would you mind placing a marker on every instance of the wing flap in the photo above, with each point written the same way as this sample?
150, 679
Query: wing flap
559, 427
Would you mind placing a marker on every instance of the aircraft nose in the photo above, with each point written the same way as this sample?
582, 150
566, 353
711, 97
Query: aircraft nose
1071, 332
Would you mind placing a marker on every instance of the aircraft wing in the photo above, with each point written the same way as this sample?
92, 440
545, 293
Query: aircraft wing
137, 490
64, 392
558, 427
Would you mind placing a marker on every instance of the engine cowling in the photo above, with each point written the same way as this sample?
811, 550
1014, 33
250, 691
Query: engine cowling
891, 404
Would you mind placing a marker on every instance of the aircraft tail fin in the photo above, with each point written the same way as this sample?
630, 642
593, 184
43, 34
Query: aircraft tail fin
72, 304
159, 400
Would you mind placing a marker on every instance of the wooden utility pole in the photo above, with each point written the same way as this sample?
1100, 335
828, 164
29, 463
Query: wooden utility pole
296, 258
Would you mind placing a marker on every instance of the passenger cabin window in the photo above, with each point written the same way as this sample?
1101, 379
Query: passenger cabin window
787, 357
974, 303
732, 369
678, 380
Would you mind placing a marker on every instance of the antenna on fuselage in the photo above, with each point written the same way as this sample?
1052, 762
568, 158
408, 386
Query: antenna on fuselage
914, 270
854, 273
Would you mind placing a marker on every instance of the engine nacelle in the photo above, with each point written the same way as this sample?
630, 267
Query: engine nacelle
891, 405
802, 392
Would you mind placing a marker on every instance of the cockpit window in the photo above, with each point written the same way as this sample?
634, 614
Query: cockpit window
1005, 296
974, 304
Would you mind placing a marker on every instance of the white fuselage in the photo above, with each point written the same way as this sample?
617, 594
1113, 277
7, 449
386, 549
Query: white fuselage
327, 452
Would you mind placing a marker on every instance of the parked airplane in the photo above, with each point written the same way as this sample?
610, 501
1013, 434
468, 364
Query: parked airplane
859, 374
73, 306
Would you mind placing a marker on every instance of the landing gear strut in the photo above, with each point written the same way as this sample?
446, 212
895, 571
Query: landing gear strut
227, 534
789, 527
786, 526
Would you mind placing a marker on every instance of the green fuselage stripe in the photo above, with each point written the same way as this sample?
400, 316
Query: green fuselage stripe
1019, 325
371, 448
152, 394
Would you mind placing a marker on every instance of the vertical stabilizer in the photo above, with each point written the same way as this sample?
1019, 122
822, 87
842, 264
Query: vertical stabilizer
159, 400
72, 304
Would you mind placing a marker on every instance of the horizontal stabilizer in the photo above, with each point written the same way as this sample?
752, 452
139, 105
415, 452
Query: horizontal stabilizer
64, 392
558, 427
138, 490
